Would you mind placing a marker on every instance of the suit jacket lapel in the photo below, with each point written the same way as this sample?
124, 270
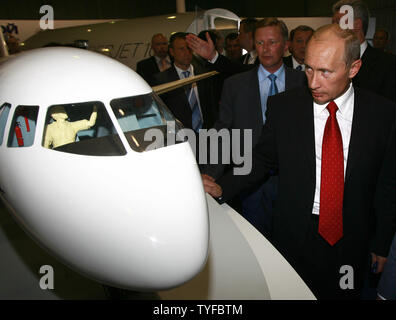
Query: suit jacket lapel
154, 65
360, 126
174, 76
305, 116
256, 99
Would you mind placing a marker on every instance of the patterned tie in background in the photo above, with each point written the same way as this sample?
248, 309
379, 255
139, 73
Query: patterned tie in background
273, 88
163, 64
332, 180
192, 100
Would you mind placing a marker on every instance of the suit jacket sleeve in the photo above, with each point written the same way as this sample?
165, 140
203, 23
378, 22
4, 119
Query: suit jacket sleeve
264, 158
229, 68
385, 201
224, 121
387, 284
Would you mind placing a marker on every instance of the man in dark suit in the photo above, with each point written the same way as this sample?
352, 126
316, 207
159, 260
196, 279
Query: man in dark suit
201, 113
160, 61
246, 40
299, 38
243, 106
335, 148
378, 70
232, 47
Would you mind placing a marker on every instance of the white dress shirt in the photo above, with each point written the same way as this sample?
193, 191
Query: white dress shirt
363, 47
344, 115
296, 64
265, 84
194, 85
167, 63
250, 57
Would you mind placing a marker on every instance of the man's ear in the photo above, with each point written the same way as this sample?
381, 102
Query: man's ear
287, 47
354, 69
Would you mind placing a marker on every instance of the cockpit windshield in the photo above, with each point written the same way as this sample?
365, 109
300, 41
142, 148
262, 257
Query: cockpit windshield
82, 128
139, 114
87, 129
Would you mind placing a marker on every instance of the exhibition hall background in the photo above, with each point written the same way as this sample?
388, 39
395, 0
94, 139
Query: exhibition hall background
383, 10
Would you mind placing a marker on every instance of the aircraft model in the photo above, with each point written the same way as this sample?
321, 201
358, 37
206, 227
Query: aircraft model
129, 41
77, 174
101, 201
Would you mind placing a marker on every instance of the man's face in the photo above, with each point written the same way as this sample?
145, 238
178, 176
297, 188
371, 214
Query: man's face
326, 70
234, 50
245, 38
181, 53
380, 39
159, 44
270, 47
298, 45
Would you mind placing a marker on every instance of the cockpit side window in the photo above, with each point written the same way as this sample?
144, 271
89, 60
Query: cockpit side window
136, 115
23, 127
81, 128
4, 112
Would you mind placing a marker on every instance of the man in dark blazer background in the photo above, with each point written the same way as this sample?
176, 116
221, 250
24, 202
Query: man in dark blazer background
291, 142
243, 105
378, 70
246, 40
299, 38
178, 100
160, 61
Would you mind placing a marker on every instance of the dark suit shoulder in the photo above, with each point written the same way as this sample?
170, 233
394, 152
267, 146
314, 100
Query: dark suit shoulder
294, 78
378, 103
166, 76
288, 61
242, 76
146, 61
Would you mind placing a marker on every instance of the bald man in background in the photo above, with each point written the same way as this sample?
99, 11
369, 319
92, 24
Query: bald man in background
159, 62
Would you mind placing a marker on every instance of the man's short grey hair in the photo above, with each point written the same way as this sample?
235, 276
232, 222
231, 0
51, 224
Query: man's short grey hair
274, 22
360, 11
351, 41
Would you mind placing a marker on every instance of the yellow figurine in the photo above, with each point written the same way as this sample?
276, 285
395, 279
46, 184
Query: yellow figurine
61, 131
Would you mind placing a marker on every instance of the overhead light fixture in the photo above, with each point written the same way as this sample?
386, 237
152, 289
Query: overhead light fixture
171, 17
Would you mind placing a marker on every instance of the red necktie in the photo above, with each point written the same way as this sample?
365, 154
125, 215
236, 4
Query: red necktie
332, 180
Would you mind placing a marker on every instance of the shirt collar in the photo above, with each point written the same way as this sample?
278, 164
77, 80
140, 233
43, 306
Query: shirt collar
180, 71
295, 63
363, 47
344, 104
253, 54
158, 59
263, 73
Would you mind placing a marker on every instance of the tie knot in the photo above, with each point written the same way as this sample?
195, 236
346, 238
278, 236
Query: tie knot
332, 107
186, 74
299, 67
272, 77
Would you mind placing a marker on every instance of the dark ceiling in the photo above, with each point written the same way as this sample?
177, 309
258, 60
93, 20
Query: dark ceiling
107, 9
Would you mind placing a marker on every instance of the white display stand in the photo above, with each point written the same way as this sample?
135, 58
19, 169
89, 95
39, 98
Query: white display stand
242, 265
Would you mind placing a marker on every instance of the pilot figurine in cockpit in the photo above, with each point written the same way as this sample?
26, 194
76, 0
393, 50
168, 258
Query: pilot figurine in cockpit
61, 131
